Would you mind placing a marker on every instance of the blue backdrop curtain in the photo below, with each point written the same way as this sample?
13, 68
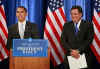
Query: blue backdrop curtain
82, 4
10, 11
87, 8
85, 4
67, 6
36, 11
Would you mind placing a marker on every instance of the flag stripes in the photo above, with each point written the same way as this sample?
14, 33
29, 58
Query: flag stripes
53, 29
3, 34
55, 59
96, 42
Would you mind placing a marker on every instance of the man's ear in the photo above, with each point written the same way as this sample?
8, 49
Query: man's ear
26, 14
81, 14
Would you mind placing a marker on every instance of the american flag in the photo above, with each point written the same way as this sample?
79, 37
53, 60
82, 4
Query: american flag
55, 20
3, 33
96, 21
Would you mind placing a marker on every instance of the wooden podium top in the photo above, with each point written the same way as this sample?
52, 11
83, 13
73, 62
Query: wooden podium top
29, 62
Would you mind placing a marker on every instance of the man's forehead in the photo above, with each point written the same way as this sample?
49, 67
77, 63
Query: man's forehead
20, 9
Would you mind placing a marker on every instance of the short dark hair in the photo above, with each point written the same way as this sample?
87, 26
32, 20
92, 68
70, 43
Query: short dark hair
23, 8
78, 8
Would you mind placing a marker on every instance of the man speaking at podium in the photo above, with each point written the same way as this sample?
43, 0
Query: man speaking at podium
23, 29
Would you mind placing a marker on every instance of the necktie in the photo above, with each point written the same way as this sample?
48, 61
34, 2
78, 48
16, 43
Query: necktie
76, 29
22, 31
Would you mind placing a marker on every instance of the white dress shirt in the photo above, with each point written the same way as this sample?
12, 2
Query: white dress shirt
21, 27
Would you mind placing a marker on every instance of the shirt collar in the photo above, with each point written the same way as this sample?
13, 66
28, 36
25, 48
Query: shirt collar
78, 24
24, 22
19, 24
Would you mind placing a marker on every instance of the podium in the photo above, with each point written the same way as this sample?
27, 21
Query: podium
20, 62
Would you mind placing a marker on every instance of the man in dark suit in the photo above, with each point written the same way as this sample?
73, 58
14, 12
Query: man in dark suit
77, 40
22, 29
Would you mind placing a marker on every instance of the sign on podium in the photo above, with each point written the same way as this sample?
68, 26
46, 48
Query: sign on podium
30, 54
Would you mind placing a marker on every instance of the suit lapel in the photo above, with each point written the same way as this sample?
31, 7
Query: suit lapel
72, 28
26, 33
26, 27
17, 30
81, 27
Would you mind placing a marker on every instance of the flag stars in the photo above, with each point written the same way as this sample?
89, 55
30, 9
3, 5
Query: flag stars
53, 8
57, 2
61, 3
57, 6
54, 4
54, 0
50, 3
99, 2
96, 4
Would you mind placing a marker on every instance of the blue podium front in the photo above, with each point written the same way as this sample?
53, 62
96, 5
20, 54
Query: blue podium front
30, 47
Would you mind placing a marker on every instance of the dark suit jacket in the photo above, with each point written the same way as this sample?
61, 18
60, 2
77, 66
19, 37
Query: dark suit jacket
31, 31
80, 42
